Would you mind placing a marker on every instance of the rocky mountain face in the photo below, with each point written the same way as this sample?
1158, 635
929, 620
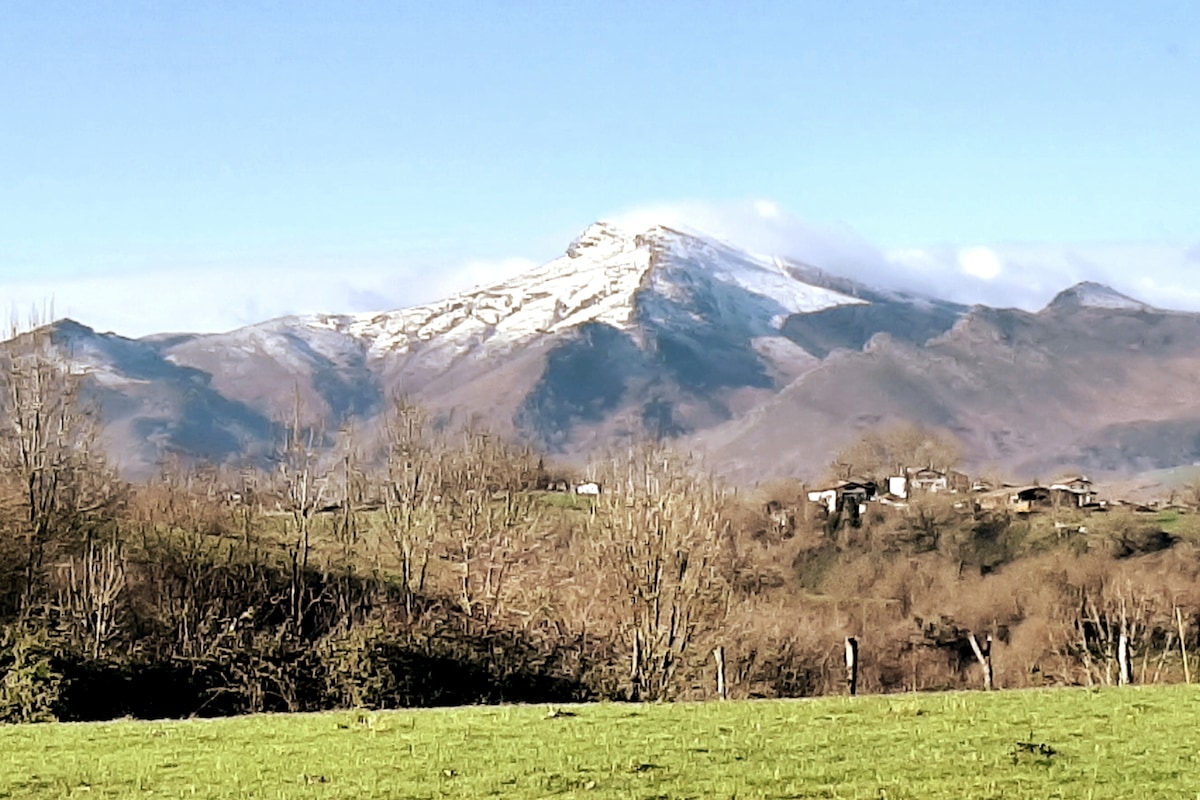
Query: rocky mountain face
768, 366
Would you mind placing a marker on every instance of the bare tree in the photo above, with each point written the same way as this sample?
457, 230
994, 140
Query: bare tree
90, 600
664, 536
1114, 617
882, 451
48, 453
488, 513
412, 494
303, 484
346, 526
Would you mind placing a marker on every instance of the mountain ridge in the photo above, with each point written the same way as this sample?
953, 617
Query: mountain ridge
660, 332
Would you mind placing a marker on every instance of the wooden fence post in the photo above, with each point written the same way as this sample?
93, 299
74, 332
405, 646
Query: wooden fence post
719, 657
852, 665
984, 656
1124, 666
635, 667
1187, 673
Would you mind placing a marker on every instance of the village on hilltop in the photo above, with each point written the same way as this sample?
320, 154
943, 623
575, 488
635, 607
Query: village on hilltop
852, 495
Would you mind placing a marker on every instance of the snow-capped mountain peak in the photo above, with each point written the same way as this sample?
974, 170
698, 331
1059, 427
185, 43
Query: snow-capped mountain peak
600, 238
1090, 294
599, 279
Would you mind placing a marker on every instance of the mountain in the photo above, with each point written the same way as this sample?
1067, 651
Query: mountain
1088, 382
767, 365
657, 329
1095, 295
153, 408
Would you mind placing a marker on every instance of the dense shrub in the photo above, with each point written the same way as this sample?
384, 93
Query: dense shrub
30, 681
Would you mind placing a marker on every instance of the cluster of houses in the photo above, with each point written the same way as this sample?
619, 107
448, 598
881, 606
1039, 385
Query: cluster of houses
853, 494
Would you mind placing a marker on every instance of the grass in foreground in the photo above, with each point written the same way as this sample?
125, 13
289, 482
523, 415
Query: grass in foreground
1139, 742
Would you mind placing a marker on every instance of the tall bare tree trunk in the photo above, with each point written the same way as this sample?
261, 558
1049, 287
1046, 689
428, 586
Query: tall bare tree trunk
719, 658
1187, 673
984, 656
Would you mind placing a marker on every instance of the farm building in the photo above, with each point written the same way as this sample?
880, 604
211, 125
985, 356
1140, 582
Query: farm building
1073, 491
1018, 499
858, 490
928, 480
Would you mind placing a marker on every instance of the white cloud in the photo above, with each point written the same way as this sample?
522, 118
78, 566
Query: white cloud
980, 262
766, 208
763, 226
475, 274
1025, 276
138, 303
998, 274
1028, 276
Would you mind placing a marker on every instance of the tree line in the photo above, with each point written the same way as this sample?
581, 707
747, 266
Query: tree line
433, 567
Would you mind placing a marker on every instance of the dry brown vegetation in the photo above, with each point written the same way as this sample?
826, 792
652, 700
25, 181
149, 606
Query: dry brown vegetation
440, 570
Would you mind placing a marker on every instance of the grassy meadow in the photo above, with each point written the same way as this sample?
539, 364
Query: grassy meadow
1134, 742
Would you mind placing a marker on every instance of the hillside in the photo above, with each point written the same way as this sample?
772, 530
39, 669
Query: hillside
1107, 388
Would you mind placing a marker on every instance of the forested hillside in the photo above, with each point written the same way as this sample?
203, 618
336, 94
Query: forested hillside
446, 567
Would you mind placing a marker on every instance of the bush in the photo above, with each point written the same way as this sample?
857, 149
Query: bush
31, 686
355, 668
812, 566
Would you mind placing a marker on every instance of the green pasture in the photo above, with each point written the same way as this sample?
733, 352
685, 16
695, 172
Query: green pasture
1185, 526
1136, 742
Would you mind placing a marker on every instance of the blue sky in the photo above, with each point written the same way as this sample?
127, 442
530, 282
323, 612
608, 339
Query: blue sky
382, 153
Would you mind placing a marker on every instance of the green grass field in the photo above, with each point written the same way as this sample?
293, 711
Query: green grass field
1127, 743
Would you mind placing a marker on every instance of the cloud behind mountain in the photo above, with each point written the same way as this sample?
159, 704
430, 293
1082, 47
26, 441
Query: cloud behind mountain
205, 299
199, 300
1020, 275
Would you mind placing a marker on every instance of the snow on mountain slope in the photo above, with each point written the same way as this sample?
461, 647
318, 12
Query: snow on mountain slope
763, 276
597, 280
690, 308
1089, 294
